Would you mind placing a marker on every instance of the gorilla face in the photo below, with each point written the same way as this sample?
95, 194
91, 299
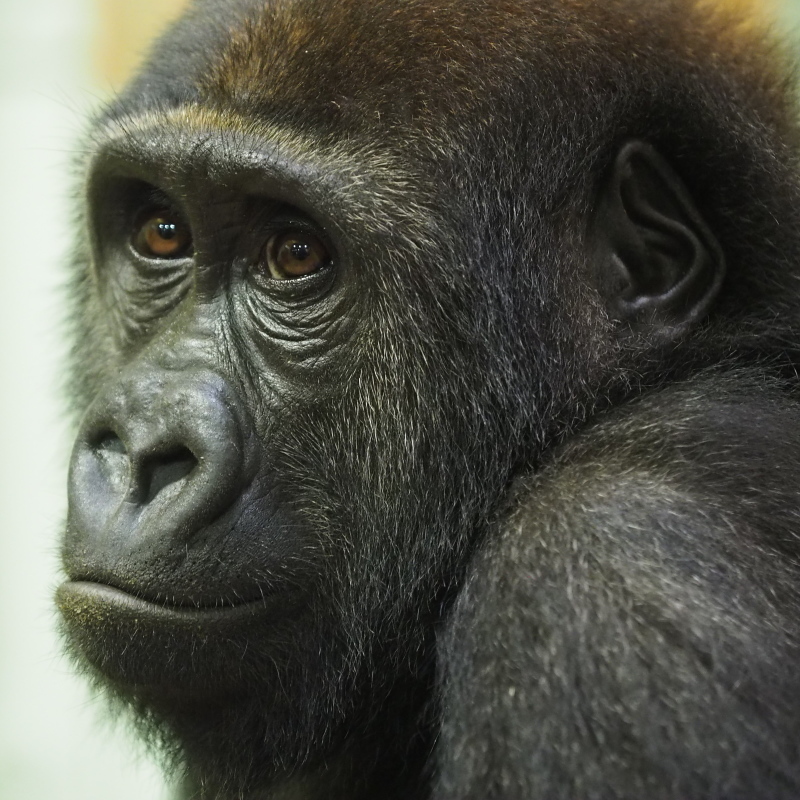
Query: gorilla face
269, 494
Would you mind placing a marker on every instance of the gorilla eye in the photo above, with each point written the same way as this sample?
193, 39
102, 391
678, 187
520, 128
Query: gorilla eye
161, 233
294, 255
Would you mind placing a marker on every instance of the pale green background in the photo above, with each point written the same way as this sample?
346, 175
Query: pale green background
54, 742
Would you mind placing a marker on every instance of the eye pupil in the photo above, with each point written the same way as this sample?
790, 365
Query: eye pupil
167, 230
300, 251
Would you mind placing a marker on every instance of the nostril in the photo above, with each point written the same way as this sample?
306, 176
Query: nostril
165, 470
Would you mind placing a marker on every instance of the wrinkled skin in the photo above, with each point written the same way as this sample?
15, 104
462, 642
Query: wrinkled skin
436, 365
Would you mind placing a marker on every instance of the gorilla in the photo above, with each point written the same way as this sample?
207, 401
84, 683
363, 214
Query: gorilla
437, 363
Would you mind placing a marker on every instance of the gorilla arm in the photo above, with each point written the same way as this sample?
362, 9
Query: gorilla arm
630, 631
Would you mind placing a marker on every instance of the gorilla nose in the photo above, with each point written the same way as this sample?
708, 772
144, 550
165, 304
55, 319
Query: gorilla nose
156, 458
143, 473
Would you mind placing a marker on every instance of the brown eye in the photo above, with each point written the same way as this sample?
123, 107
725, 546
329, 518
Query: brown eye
293, 255
162, 234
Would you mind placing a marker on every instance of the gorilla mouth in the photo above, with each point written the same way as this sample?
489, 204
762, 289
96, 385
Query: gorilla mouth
88, 597
100, 605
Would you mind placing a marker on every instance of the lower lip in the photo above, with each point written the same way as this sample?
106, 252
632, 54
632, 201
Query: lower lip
90, 600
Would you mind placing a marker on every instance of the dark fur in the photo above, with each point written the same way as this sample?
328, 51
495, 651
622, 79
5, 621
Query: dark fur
652, 570
626, 619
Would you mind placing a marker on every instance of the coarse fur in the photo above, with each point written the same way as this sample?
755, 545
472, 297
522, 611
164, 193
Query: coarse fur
530, 541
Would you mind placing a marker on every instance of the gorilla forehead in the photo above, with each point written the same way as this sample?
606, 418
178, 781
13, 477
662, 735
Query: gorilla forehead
318, 53
311, 49
401, 64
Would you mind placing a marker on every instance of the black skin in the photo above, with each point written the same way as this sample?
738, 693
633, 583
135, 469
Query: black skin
437, 364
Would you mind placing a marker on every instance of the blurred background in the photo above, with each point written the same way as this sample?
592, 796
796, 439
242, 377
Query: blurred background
58, 60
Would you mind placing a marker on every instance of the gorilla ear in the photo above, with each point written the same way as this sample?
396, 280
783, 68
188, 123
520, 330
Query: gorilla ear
657, 262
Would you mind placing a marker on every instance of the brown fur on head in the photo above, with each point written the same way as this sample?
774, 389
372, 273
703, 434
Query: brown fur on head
449, 55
